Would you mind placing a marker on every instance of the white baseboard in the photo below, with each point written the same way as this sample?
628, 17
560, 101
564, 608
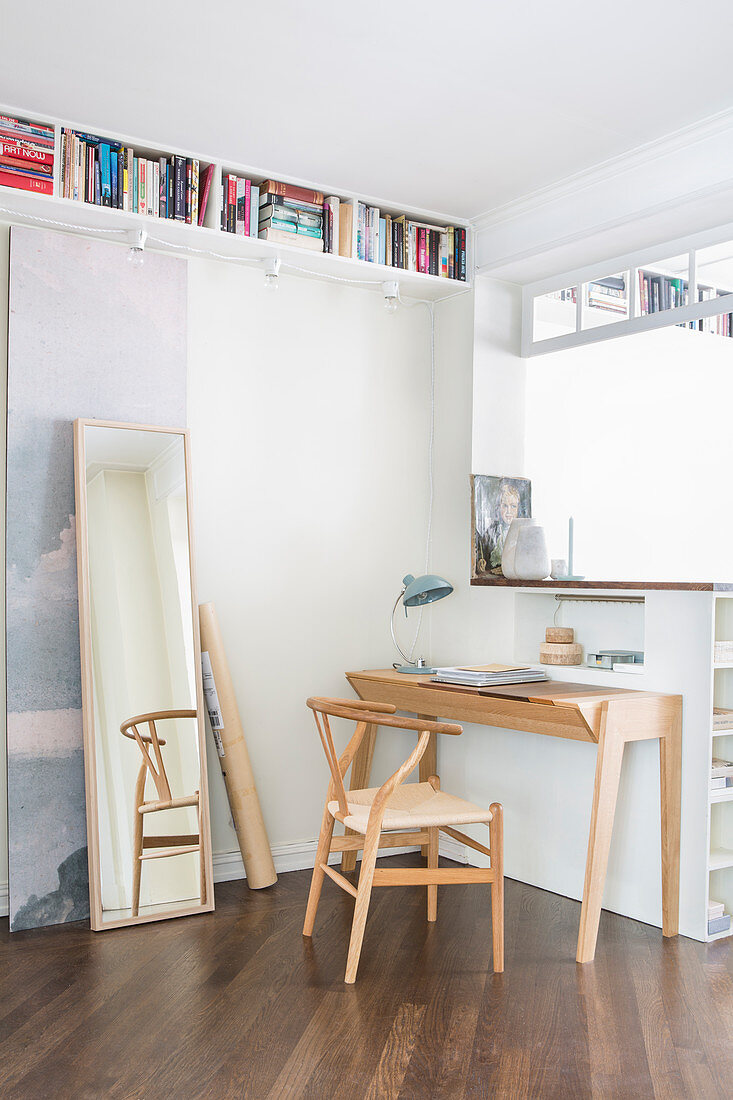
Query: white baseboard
302, 856
287, 857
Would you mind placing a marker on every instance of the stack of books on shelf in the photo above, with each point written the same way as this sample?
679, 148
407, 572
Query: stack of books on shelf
721, 775
240, 204
659, 292
106, 173
410, 245
609, 295
477, 676
718, 919
722, 323
26, 155
569, 295
296, 216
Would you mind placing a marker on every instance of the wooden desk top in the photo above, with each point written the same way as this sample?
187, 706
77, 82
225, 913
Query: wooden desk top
576, 709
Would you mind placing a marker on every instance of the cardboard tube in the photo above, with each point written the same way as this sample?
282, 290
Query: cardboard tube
233, 756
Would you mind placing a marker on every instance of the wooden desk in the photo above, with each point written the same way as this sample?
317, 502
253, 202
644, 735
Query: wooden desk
608, 717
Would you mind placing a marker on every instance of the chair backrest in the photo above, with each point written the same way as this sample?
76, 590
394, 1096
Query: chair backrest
363, 713
157, 770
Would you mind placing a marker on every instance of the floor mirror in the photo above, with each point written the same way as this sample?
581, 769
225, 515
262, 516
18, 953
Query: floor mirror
144, 745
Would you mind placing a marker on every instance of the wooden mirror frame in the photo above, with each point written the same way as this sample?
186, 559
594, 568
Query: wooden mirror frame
97, 922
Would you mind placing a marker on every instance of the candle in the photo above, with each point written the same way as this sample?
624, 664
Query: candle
571, 571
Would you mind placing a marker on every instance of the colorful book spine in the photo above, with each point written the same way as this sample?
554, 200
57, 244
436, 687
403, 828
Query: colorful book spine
206, 179
180, 188
113, 180
254, 210
26, 183
155, 188
194, 192
103, 151
291, 191
162, 188
170, 174
231, 204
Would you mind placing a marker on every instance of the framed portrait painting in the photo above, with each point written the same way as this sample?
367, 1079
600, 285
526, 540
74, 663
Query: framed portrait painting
495, 502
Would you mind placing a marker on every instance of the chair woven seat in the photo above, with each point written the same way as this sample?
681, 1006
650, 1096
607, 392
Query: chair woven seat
411, 806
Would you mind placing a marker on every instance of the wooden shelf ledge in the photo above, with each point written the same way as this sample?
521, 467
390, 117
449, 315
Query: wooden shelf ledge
601, 586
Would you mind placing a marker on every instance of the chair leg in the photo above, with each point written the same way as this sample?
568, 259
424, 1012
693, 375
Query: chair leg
496, 846
433, 863
361, 906
322, 851
137, 839
137, 864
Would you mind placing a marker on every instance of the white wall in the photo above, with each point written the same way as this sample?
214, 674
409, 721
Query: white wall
631, 436
309, 411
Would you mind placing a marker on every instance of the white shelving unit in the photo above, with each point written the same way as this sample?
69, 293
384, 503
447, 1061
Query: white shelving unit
720, 812
677, 631
209, 240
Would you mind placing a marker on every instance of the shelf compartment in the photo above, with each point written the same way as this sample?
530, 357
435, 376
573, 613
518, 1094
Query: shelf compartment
721, 889
720, 859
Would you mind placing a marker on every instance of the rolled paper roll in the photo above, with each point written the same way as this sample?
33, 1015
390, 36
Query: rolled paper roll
234, 757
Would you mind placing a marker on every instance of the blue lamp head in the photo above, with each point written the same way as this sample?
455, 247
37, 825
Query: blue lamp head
417, 592
425, 589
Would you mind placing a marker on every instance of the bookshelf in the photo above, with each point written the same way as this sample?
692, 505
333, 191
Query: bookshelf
690, 287
720, 801
208, 240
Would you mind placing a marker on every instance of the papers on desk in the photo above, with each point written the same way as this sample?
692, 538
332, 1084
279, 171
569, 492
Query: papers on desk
488, 675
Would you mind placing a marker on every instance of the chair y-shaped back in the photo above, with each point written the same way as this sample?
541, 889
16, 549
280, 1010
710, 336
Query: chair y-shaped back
380, 818
162, 846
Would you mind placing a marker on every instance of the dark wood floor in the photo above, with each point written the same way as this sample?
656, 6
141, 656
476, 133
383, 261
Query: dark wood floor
236, 1004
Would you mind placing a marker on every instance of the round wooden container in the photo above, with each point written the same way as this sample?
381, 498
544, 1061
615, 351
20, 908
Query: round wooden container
561, 653
559, 634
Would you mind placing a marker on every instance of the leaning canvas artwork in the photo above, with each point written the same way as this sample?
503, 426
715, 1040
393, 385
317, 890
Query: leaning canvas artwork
89, 335
495, 502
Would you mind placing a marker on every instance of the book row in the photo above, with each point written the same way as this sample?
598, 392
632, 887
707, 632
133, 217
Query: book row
287, 214
410, 245
110, 174
26, 155
107, 173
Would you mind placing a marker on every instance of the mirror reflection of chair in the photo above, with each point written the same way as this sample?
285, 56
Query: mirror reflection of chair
157, 847
398, 814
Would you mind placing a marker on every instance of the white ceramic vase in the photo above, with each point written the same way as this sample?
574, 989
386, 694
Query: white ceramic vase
525, 556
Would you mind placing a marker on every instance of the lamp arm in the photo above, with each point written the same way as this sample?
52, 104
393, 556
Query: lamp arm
401, 652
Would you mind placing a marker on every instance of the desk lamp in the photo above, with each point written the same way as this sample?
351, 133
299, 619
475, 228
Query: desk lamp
418, 591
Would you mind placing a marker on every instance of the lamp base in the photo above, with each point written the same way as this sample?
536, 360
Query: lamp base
414, 670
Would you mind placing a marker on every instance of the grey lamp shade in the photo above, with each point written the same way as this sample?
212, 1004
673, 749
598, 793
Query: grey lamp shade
425, 589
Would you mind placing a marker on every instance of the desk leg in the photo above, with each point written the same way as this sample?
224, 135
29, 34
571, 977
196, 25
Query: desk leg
428, 764
608, 770
361, 768
670, 775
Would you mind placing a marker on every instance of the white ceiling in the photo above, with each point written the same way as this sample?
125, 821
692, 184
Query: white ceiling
456, 108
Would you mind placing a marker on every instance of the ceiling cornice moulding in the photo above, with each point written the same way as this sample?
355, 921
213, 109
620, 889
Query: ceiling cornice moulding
609, 170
